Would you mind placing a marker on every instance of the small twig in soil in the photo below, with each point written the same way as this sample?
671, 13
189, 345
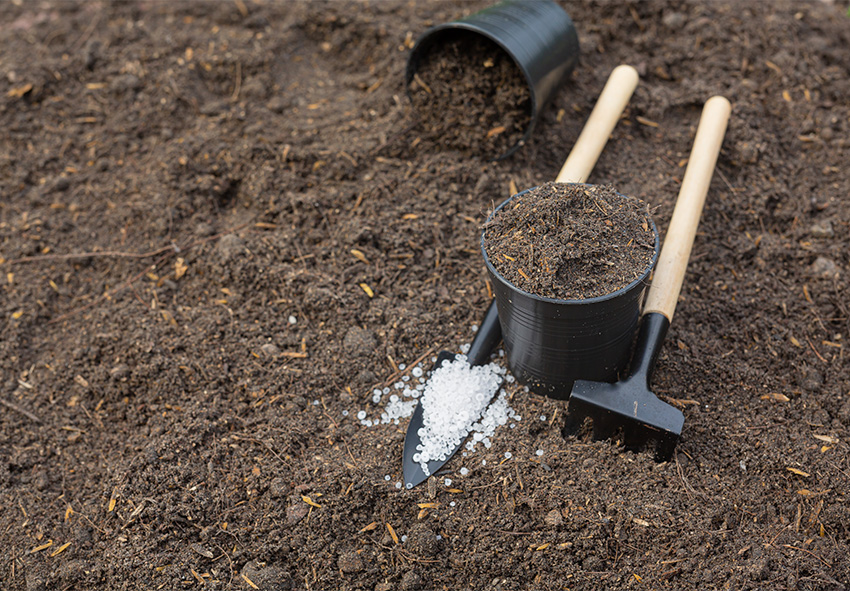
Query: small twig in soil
816, 351
828, 565
23, 411
89, 255
393, 138
688, 488
396, 374
325, 412
230, 560
86, 34
264, 444
167, 250
351, 455
238, 86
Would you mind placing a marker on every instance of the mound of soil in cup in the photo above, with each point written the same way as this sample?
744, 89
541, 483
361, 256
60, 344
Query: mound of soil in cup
471, 96
570, 241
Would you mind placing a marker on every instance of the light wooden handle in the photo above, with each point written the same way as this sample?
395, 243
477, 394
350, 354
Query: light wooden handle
673, 260
616, 94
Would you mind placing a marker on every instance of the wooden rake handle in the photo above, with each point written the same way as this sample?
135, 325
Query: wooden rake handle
673, 260
610, 105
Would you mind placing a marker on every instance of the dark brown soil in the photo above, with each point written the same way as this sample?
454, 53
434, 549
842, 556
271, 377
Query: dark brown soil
178, 179
570, 241
469, 95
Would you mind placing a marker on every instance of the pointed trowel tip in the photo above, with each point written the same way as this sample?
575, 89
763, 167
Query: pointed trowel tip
414, 477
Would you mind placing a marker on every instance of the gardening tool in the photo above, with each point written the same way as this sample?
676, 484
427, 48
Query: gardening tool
629, 404
610, 105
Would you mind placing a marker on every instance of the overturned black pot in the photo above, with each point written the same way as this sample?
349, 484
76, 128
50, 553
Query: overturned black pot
538, 35
550, 343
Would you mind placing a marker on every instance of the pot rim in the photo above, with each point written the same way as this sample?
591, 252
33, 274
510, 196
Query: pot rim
586, 301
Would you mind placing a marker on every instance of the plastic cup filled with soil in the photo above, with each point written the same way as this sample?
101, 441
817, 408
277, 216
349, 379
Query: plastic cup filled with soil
478, 84
569, 264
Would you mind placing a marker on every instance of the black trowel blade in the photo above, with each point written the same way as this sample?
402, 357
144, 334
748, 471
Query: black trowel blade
413, 473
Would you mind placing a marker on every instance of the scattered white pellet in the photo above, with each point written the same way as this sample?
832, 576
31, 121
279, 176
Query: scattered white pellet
452, 504
345, 413
474, 328
439, 537
387, 477
292, 320
398, 484
315, 403
539, 452
464, 471
542, 417
508, 455
448, 481
361, 415
403, 539
402, 367
483, 462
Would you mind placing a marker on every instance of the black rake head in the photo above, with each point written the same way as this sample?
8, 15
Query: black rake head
628, 407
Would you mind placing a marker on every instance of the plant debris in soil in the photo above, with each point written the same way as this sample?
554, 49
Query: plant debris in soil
470, 95
570, 241
216, 237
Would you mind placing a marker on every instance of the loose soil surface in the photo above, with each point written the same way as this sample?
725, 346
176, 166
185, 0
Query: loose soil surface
468, 93
570, 241
218, 233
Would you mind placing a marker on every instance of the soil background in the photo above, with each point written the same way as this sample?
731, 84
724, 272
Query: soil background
178, 180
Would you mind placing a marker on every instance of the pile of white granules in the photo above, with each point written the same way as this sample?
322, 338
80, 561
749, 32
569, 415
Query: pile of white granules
457, 400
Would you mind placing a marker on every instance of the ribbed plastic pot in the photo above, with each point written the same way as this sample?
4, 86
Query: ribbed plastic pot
537, 34
550, 343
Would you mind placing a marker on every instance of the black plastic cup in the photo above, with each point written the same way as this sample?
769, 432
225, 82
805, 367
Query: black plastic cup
537, 34
550, 343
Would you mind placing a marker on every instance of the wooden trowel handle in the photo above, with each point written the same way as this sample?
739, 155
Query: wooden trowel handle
673, 260
616, 94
